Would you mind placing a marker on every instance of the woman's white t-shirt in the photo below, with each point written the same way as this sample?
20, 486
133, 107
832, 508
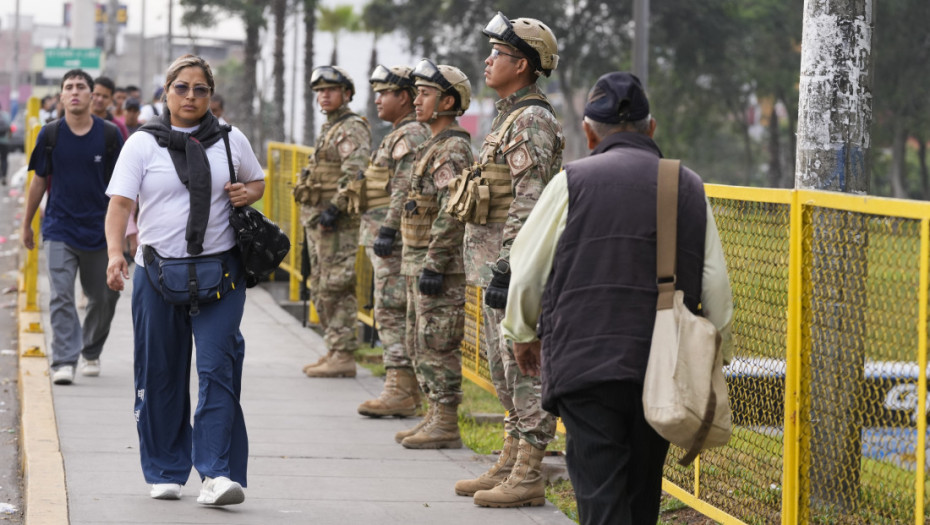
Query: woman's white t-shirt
145, 170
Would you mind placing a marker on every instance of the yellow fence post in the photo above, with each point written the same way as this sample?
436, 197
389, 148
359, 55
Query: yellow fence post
791, 465
920, 411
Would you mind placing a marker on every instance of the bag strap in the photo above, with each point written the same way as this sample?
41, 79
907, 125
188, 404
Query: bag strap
666, 230
666, 243
232, 170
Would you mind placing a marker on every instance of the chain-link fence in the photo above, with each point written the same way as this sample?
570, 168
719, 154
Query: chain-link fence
830, 322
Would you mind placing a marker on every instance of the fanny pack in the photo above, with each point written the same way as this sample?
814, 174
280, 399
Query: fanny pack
189, 281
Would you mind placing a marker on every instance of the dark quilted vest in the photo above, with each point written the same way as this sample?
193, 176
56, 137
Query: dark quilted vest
600, 298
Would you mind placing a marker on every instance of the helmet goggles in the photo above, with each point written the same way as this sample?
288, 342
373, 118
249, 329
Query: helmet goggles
501, 29
327, 75
428, 71
383, 75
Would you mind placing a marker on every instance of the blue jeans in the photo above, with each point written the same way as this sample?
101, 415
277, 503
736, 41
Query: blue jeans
217, 444
69, 338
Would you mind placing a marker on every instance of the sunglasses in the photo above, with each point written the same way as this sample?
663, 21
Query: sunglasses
181, 89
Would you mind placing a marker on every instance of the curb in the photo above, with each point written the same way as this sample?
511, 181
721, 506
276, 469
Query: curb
45, 497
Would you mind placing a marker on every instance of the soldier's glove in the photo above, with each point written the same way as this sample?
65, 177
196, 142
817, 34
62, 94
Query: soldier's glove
430, 282
384, 243
329, 216
495, 295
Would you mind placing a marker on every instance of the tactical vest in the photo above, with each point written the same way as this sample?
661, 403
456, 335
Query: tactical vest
421, 210
483, 193
319, 182
374, 190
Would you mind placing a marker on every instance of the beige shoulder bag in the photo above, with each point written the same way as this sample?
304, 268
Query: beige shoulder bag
684, 392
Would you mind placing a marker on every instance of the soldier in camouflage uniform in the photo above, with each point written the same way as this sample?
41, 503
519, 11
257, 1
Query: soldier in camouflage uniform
519, 156
432, 260
340, 156
381, 198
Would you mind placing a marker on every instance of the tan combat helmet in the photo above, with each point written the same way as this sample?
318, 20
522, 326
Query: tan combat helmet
528, 35
447, 79
395, 78
331, 76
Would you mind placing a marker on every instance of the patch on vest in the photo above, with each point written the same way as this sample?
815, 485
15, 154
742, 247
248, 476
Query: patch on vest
346, 147
444, 175
519, 159
400, 149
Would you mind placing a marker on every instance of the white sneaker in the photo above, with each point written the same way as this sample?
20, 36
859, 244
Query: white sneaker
166, 491
90, 367
220, 491
64, 375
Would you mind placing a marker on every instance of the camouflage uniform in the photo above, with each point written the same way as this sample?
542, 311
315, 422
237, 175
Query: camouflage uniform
436, 324
345, 138
533, 147
396, 152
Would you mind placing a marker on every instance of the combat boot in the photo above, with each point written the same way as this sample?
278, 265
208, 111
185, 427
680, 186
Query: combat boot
441, 431
403, 434
340, 364
319, 361
525, 487
400, 397
497, 473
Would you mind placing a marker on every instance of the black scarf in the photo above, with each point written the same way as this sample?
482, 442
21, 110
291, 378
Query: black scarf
188, 152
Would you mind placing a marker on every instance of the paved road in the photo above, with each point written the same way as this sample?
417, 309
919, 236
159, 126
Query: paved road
10, 474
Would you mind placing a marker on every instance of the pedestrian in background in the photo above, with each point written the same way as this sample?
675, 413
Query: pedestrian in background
218, 107
5, 132
154, 108
72, 227
432, 261
520, 154
178, 168
386, 184
119, 104
331, 228
103, 100
584, 269
132, 115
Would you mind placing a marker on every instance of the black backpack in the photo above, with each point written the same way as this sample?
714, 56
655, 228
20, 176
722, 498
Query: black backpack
111, 136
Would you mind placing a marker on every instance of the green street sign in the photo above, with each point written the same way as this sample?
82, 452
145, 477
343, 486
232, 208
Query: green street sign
60, 60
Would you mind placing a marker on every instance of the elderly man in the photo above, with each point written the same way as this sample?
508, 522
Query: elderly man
584, 269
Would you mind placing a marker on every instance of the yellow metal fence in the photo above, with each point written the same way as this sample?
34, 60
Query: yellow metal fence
829, 380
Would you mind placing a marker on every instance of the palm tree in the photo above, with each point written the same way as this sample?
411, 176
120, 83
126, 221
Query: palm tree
309, 30
279, 8
336, 20
378, 18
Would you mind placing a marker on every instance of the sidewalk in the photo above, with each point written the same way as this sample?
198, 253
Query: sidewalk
312, 458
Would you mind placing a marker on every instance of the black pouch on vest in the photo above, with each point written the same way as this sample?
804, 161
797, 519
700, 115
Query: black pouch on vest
189, 280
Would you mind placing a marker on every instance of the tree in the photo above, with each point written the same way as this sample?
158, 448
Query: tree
378, 18
309, 31
336, 20
279, 7
252, 14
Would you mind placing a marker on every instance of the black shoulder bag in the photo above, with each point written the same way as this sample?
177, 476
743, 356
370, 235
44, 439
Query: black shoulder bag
261, 243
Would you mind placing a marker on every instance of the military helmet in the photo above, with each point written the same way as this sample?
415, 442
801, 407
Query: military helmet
330, 76
530, 36
393, 79
447, 79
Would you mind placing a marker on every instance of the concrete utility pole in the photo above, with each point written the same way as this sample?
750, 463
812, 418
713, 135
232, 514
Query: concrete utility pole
112, 30
143, 81
834, 117
82, 24
14, 76
641, 41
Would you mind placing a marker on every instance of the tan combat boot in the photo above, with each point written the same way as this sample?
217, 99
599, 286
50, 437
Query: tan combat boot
497, 473
400, 397
403, 434
340, 364
319, 361
441, 431
525, 487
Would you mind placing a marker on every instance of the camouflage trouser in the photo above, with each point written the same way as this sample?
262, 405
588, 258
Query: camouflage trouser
435, 328
390, 307
332, 281
520, 394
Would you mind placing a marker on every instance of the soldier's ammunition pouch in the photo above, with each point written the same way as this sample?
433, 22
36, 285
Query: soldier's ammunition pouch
417, 220
322, 182
481, 194
302, 187
371, 192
